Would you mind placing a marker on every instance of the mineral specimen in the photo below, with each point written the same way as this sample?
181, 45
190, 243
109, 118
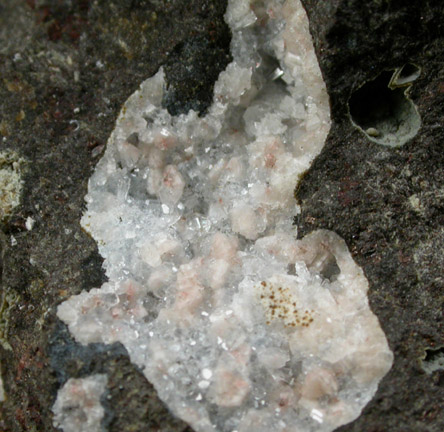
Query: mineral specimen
238, 325
78, 406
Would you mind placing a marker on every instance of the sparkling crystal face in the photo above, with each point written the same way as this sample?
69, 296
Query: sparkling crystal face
238, 325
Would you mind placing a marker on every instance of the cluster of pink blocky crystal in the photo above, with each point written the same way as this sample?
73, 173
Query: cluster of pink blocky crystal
239, 325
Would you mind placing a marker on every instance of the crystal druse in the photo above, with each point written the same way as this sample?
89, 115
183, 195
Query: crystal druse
238, 325
77, 407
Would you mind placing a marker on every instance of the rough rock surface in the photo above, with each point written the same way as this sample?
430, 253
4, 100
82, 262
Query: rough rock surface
56, 56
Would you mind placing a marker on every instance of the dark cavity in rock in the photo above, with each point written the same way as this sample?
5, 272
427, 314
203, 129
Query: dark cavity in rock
433, 360
383, 110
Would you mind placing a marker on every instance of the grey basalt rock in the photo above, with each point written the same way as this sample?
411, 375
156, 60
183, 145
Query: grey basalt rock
67, 67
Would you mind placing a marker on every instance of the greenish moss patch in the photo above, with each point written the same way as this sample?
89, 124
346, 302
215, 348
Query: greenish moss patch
11, 183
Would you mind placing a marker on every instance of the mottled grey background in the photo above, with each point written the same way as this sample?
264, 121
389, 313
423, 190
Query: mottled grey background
67, 66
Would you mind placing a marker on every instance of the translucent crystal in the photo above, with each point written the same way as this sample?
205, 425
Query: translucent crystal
239, 325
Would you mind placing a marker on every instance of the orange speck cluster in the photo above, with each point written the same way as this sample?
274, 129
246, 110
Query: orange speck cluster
280, 303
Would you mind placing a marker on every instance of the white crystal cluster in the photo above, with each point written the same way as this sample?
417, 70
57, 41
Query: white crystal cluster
239, 326
77, 407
